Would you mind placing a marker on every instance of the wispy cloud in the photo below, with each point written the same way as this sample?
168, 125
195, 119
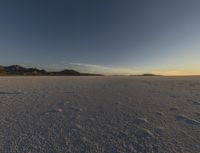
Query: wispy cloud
109, 70
92, 68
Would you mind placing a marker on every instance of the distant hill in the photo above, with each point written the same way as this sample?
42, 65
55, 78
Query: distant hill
19, 70
148, 74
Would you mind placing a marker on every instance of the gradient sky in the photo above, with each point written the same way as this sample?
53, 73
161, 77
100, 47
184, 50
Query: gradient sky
105, 36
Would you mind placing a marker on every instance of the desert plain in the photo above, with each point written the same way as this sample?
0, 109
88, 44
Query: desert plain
100, 114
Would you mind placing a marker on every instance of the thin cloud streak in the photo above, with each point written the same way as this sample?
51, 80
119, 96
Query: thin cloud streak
92, 68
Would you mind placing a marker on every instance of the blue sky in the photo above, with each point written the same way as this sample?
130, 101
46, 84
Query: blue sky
105, 36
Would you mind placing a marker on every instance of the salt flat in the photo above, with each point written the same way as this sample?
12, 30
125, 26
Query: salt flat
100, 114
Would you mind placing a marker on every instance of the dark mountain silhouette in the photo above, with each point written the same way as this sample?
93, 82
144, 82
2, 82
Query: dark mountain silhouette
149, 74
19, 70
16, 69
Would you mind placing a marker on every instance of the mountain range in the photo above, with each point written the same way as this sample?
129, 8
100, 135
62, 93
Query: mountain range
19, 70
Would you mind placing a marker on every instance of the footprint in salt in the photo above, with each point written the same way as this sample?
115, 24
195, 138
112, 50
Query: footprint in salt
187, 120
198, 114
173, 108
141, 120
52, 111
159, 113
196, 103
143, 132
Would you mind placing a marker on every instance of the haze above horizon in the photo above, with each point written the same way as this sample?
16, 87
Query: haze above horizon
103, 36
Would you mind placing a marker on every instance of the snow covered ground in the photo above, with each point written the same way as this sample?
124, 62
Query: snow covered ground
100, 114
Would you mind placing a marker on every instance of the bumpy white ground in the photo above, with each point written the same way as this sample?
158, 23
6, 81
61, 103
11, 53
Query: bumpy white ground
100, 114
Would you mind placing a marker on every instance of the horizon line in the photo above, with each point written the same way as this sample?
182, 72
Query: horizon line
103, 67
